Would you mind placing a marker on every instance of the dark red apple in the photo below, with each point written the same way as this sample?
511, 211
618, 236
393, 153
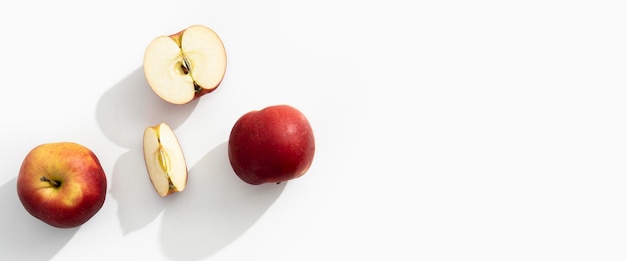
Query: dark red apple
271, 145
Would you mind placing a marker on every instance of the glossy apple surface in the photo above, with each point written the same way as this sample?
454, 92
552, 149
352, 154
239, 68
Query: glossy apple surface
62, 184
271, 145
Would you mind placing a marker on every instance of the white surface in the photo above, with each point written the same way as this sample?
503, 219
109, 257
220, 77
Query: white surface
446, 130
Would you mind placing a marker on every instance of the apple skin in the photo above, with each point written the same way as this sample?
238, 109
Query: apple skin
80, 194
271, 145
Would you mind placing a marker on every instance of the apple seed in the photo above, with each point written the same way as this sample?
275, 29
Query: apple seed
185, 65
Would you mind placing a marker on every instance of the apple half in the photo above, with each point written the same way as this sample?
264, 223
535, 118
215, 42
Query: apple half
186, 65
164, 159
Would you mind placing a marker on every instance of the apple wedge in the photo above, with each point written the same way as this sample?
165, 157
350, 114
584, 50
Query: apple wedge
164, 158
186, 65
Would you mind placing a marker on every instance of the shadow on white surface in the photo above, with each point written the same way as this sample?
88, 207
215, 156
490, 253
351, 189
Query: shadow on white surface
214, 210
138, 204
123, 113
125, 110
22, 236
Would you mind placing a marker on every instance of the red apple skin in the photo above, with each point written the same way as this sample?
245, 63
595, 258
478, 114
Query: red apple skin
82, 188
271, 145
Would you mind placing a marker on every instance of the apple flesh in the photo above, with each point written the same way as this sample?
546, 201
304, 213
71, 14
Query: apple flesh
62, 184
186, 65
164, 159
271, 145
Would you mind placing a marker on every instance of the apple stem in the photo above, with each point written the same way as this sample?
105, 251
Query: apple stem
52, 182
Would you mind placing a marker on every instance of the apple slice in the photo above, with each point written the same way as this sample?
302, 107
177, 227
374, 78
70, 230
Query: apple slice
186, 65
164, 158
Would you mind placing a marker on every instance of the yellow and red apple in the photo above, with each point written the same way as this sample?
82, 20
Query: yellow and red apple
186, 65
62, 184
271, 145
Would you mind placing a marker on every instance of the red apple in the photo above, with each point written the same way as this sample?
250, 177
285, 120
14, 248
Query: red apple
186, 65
271, 145
62, 184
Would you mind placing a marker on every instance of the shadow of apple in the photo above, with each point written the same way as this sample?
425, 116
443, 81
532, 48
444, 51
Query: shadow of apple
138, 203
125, 110
123, 113
214, 210
23, 236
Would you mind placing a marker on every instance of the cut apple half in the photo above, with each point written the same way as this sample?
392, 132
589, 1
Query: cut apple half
164, 159
184, 66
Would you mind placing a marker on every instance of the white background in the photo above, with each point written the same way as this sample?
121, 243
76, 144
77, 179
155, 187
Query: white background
445, 130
